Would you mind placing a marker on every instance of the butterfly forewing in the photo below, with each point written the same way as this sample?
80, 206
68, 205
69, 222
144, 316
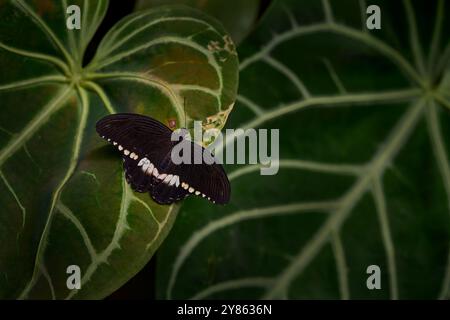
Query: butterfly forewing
136, 133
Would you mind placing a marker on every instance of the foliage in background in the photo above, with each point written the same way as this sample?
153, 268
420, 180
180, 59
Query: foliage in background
237, 16
63, 197
364, 171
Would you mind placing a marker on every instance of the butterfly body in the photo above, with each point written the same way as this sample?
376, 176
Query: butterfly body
146, 148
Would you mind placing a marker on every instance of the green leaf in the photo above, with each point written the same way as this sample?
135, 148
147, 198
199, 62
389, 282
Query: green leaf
62, 190
364, 175
238, 17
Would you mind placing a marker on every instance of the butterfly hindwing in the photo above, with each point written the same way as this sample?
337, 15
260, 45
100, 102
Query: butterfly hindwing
136, 178
163, 193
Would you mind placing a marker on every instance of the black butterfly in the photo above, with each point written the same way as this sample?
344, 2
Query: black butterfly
146, 147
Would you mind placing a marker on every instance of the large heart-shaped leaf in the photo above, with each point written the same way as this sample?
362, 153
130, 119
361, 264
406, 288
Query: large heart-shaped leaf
63, 197
364, 174
238, 17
